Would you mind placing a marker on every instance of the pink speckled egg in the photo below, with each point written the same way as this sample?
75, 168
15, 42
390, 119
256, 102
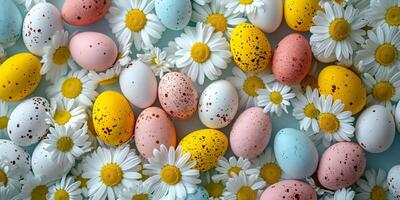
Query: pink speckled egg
177, 95
250, 133
84, 12
153, 128
292, 59
93, 50
289, 190
341, 165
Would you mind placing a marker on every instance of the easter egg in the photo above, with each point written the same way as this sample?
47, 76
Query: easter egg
17, 157
113, 118
269, 18
292, 59
375, 129
341, 165
299, 13
10, 23
93, 50
295, 153
218, 104
85, 12
393, 181
250, 133
20, 77
153, 128
206, 147
343, 84
178, 95
199, 194
40, 24
138, 84
250, 48
289, 190
174, 15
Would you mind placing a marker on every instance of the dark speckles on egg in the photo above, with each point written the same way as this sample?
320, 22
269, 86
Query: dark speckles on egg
289, 190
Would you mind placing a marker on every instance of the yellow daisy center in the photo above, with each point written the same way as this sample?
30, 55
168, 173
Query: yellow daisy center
328, 122
62, 117
200, 52
214, 189
271, 173
246, 193
311, 111
246, 2
3, 122
386, 54
339, 1
109, 82
218, 21
65, 144
154, 60
39, 192
171, 175
71, 88
276, 98
111, 174
140, 197
339, 29
61, 55
235, 170
135, 20
383, 91
61, 194
393, 16
251, 84
82, 180
378, 193
3, 177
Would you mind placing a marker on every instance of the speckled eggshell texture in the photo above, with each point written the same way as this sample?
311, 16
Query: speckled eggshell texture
10, 23
341, 165
393, 180
299, 13
173, 14
178, 95
289, 190
84, 12
250, 133
154, 128
16, 156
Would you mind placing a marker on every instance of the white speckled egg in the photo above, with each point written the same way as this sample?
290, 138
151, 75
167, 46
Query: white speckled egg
269, 19
375, 129
393, 180
16, 156
174, 14
218, 104
27, 123
41, 22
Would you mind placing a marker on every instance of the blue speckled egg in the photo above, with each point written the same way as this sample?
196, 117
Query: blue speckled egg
200, 194
296, 153
174, 14
10, 23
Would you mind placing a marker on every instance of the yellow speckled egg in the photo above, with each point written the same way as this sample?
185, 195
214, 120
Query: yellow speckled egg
250, 48
206, 147
20, 76
299, 13
113, 118
343, 84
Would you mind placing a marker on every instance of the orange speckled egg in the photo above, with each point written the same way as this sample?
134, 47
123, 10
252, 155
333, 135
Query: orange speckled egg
84, 12
289, 190
299, 13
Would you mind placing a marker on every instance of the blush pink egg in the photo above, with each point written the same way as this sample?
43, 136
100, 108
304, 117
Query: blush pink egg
292, 59
84, 12
93, 50
177, 95
250, 133
289, 190
341, 165
153, 128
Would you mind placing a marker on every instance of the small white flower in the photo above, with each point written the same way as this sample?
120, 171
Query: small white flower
227, 168
33, 187
66, 188
138, 190
269, 169
66, 112
9, 180
77, 173
215, 189
5, 113
374, 186
341, 194
340, 2
244, 186
157, 60
29, 3
275, 98
9, 194
318, 190
305, 109
247, 7
384, 13
202, 2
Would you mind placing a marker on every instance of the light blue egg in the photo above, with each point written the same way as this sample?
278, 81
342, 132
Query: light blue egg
200, 194
296, 153
10, 23
174, 14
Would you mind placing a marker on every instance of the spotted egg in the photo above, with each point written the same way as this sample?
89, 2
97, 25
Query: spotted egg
10, 23
174, 15
85, 12
299, 13
113, 118
393, 181
206, 147
289, 190
16, 156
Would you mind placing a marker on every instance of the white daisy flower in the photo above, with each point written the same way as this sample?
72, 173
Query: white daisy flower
66, 112
374, 186
109, 171
171, 174
29, 3
139, 191
384, 12
337, 31
9, 194
243, 186
5, 113
335, 124
216, 15
382, 89
171, 49
340, 2
202, 52
305, 109
9, 181
157, 60
135, 20
247, 7
33, 187
66, 188
320, 191
202, 2
341, 194
270, 171
248, 83
215, 189
275, 98
76, 85
227, 168
77, 173
381, 52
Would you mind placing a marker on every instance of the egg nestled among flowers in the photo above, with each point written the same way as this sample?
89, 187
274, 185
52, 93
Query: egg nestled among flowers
289, 189
173, 14
85, 12
16, 155
299, 13
10, 23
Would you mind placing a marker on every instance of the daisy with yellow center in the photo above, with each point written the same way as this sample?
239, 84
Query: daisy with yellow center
171, 174
77, 173
215, 189
138, 191
109, 171
65, 189
9, 181
373, 186
5, 113
341, 194
227, 168
275, 98
305, 109
270, 171
135, 20
33, 188
157, 60
66, 112
244, 187
384, 13
247, 7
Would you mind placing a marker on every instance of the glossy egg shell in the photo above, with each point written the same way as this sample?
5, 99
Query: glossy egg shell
289, 190
85, 12
393, 180
270, 18
299, 13
17, 156
10, 23
174, 15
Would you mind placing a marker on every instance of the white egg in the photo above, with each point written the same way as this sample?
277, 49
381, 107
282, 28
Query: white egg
218, 104
27, 124
43, 165
375, 129
393, 180
397, 116
16, 156
41, 22
269, 18
138, 84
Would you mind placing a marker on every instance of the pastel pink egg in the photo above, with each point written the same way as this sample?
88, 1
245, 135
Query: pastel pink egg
153, 128
250, 133
341, 165
289, 190
84, 12
292, 59
93, 50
